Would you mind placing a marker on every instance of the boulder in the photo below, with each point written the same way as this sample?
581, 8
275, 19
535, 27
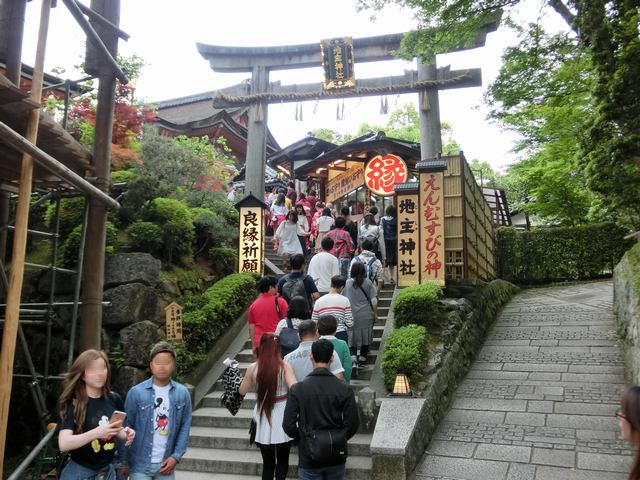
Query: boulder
65, 283
131, 303
131, 268
126, 377
137, 340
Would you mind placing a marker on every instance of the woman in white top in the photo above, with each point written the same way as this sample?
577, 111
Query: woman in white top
278, 211
272, 378
370, 230
286, 242
303, 228
323, 225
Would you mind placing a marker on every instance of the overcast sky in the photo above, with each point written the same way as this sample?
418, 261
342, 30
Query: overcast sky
165, 33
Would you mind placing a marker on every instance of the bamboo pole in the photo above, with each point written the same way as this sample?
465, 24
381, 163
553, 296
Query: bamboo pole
10, 331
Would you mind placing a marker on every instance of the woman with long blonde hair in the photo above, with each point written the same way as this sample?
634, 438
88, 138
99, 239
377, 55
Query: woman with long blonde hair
86, 429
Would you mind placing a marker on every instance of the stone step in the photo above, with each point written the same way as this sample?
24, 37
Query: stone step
249, 462
185, 475
238, 439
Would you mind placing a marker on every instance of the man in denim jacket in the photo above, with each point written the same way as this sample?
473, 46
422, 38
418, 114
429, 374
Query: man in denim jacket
160, 411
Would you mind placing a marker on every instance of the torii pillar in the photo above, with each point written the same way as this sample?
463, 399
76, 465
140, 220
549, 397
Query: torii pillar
260, 92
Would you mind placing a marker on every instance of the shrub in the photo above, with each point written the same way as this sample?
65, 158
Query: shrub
71, 246
417, 304
145, 237
227, 258
123, 176
223, 303
211, 228
71, 212
173, 217
404, 352
557, 254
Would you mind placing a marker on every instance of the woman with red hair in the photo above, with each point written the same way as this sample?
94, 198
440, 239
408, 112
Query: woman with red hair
629, 422
272, 378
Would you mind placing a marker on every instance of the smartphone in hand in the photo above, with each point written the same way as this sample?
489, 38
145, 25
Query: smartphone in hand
117, 415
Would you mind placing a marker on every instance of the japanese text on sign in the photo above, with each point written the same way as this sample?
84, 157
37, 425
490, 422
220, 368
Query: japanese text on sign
408, 240
432, 226
344, 183
383, 172
251, 239
337, 60
173, 318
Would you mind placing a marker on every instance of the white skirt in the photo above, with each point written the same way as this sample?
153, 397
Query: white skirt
271, 434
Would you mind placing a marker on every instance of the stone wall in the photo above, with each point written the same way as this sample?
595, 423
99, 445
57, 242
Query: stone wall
626, 307
405, 425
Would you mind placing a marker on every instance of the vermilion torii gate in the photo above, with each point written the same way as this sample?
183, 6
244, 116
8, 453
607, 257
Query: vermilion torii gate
259, 92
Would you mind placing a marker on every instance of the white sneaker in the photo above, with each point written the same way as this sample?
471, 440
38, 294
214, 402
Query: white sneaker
354, 361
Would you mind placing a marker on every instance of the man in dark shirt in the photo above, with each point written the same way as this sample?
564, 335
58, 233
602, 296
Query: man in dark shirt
297, 282
329, 404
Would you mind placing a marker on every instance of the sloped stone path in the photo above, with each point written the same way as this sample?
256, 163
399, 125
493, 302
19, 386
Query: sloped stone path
539, 401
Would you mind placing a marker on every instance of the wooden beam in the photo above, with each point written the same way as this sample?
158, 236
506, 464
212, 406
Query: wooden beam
16, 275
96, 17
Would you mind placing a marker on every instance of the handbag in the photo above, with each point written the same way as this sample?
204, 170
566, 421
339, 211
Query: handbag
324, 447
231, 380
289, 338
61, 460
375, 312
252, 431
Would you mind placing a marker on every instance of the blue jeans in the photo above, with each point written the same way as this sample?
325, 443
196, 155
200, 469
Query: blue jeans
75, 471
336, 472
344, 267
153, 473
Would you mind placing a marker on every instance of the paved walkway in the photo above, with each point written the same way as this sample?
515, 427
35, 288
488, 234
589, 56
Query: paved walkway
539, 400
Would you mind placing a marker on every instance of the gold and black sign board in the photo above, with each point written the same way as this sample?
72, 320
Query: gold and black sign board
337, 61
432, 220
407, 201
345, 183
251, 241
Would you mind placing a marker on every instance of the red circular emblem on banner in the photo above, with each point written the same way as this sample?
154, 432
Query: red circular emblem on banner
383, 172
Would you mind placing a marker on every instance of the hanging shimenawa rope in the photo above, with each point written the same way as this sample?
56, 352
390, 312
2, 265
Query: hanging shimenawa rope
301, 96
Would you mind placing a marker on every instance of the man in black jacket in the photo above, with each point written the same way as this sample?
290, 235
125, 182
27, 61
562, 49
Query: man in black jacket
329, 404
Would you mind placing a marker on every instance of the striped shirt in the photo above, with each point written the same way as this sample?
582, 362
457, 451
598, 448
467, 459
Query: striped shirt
336, 305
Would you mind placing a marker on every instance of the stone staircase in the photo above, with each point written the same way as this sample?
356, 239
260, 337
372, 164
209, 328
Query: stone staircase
219, 443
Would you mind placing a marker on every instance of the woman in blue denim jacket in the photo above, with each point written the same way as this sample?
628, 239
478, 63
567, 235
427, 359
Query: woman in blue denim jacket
159, 409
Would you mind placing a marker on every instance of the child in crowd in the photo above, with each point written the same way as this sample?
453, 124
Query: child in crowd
160, 410
86, 429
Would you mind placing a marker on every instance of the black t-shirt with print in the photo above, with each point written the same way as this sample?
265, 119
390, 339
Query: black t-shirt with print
100, 452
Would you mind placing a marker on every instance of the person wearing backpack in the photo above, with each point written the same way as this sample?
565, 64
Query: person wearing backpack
389, 229
297, 282
372, 266
371, 231
287, 328
343, 246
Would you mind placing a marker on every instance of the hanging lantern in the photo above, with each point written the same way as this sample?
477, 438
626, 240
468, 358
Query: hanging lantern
401, 387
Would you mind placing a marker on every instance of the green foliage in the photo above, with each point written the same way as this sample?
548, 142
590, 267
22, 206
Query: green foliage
331, 136
145, 237
484, 173
556, 254
211, 229
174, 219
205, 319
405, 352
610, 146
633, 255
71, 246
227, 257
123, 176
186, 281
71, 212
417, 304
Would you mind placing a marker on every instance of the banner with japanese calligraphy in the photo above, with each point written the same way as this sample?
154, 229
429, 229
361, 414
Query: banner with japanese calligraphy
408, 239
344, 183
382, 172
337, 61
251, 240
432, 227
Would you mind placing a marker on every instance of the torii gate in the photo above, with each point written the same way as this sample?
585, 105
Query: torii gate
259, 93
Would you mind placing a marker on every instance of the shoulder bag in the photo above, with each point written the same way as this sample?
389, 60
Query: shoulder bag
324, 447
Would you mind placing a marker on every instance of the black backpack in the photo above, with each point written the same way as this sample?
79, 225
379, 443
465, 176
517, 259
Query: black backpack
294, 287
389, 228
289, 338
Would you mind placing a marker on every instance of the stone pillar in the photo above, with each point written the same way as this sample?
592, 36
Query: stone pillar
430, 135
257, 136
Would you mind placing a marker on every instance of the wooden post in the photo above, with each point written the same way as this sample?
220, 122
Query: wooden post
20, 239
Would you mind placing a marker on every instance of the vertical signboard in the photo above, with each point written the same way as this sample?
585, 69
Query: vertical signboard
432, 255
337, 61
173, 324
407, 201
251, 239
